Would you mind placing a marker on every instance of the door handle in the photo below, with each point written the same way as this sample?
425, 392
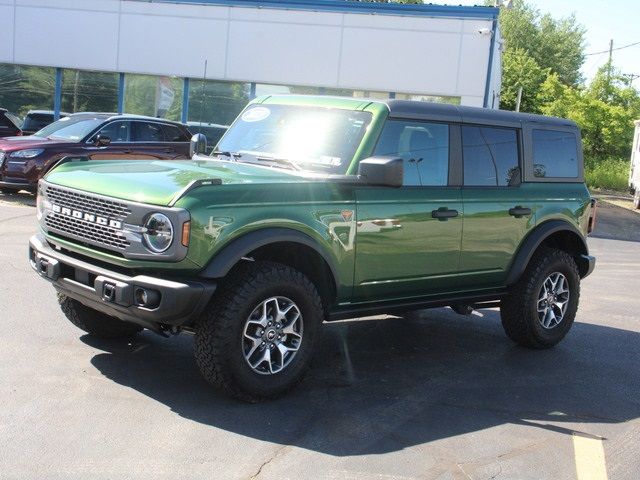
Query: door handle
519, 212
444, 213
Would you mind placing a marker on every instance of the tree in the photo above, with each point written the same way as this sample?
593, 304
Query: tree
519, 69
535, 46
607, 125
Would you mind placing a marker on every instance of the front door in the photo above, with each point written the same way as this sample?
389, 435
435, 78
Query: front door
408, 238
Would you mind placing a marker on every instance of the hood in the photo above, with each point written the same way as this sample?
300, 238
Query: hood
11, 144
157, 182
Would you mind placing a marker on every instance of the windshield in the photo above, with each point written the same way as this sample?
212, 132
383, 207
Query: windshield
70, 129
322, 140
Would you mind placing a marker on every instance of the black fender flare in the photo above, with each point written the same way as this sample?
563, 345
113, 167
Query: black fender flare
223, 261
535, 239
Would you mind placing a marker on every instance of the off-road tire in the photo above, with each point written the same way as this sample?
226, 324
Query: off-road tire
518, 310
93, 322
219, 330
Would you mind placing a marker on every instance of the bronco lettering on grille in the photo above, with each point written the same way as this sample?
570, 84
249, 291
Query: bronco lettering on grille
86, 216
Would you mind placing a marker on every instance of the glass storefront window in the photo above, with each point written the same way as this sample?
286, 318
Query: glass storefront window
24, 88
153, 96
86, 91
218, 103
428, 98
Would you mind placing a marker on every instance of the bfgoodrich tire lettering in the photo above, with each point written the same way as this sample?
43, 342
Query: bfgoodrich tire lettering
93, 322
519, 311
221, 333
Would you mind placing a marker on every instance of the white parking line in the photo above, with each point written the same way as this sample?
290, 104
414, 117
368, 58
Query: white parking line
589, 456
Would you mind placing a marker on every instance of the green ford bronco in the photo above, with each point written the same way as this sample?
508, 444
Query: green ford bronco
314, 209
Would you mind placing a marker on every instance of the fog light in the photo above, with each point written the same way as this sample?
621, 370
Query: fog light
146, 298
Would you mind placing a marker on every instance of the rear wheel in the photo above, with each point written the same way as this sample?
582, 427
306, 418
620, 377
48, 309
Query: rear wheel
539, 310
256, 338
93, 322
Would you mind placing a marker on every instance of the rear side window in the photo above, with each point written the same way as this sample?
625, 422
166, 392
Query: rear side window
147, 132
424, 147
173, 134
490, 156
555, 154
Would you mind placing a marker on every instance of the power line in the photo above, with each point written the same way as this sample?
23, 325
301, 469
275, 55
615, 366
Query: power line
613, 50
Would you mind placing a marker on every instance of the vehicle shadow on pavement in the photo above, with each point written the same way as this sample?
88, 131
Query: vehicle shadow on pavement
378, 386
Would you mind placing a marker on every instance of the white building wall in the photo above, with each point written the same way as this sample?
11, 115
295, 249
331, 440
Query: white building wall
410, 54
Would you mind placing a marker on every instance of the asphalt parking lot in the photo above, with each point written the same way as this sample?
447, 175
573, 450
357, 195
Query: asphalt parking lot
439, 396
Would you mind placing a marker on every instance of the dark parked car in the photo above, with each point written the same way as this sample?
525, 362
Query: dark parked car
38, 119
9, 124
212, 131
98, 136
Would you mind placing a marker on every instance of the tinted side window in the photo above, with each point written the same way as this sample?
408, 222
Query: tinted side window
490, 156
555, 154
147, 132
173, 134
116, 131
424, 147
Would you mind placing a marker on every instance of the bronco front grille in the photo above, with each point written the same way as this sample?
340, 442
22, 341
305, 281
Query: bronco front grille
88, 203
86, 217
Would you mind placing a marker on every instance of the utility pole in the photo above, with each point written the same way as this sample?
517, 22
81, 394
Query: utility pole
609, 67
519, 99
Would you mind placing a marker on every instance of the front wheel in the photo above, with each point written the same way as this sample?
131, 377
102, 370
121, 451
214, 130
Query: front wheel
539, 310
256, 338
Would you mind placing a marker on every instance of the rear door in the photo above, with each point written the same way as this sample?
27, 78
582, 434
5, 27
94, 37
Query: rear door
148, 140
498, 211
176, 141
408, 238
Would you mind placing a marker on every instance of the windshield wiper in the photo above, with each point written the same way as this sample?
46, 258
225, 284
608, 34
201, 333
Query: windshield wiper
224, 153
281, 161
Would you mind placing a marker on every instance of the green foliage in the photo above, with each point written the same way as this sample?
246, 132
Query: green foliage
519, 69
543, 55
607, 173
556, 45
604, 112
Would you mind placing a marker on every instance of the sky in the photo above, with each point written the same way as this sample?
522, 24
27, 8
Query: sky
604, 20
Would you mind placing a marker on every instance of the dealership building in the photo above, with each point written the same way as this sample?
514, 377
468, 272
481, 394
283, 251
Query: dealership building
202, 60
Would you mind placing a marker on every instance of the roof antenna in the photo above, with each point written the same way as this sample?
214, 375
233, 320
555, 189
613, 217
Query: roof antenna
204, 78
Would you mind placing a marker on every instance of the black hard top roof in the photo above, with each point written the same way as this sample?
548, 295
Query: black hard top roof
457, 113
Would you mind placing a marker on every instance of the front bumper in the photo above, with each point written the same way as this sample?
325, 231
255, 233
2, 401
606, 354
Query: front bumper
176, 302
586, 265
18, 185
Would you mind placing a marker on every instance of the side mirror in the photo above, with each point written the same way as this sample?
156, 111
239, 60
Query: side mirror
102, 140
382, 171
198, 145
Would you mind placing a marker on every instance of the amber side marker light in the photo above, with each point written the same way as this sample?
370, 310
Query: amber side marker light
592, 216
186, 232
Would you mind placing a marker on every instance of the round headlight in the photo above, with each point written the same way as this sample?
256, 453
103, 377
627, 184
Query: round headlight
159, 234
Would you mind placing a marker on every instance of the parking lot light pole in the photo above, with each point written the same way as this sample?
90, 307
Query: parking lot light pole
57, 98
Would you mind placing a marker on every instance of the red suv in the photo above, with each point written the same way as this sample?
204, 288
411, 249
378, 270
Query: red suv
98, 136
